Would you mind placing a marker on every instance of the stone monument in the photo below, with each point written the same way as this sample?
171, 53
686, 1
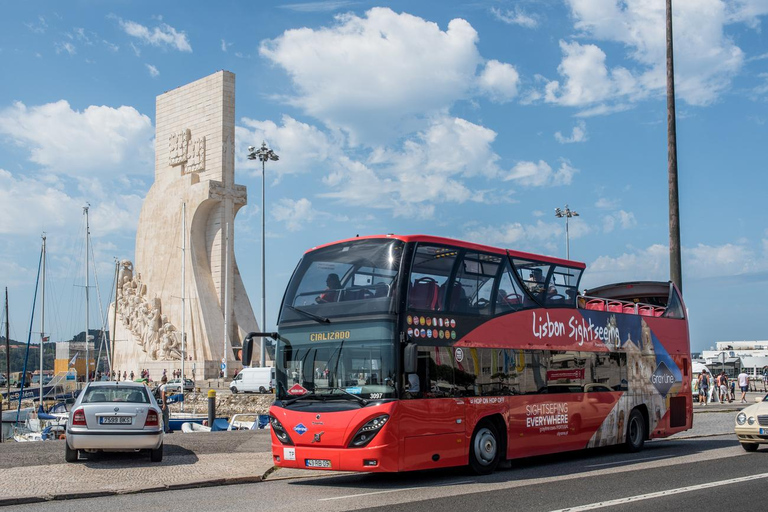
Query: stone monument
194, 173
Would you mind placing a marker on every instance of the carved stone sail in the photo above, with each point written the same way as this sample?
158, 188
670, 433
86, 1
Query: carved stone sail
194, 164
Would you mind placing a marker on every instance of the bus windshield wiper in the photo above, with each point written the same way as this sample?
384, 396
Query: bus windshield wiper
303, 397
316, 318
362, 400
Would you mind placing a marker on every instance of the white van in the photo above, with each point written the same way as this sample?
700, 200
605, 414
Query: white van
254, 380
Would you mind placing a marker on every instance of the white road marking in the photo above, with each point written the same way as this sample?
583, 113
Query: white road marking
633, 461
661, 494
394, 490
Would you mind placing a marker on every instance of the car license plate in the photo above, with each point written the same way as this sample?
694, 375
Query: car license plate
763, 431
115, 420
317, 463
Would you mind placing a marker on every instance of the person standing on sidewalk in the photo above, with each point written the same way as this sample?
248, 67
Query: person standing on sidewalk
164, 404
703, 387
722, 381
744, 385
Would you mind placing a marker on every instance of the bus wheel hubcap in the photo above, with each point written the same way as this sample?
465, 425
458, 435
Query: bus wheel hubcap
485, 446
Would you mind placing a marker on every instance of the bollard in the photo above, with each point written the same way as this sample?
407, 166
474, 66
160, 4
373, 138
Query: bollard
211, 407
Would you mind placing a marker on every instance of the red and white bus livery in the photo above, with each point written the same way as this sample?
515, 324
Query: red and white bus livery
400, 353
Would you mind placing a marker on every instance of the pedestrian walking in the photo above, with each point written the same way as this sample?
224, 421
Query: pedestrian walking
132, 374
723, 386
744, 385
164, 404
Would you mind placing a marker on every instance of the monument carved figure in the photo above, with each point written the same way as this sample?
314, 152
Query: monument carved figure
194, 166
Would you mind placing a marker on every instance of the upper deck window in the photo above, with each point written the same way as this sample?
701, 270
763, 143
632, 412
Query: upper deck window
549, 285
346, 279
431, 269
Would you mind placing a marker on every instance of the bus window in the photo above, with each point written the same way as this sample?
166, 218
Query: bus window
509, 296
475, 280
562, 289
440, 372
431, 268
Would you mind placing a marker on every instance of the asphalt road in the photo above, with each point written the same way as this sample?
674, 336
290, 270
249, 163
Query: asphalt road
701, 471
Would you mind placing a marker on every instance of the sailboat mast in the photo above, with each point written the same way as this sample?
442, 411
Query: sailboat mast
183, 295
42, 327
7, 349
87, 250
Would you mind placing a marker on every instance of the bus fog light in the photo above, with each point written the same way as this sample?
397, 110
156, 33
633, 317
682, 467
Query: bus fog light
370, 462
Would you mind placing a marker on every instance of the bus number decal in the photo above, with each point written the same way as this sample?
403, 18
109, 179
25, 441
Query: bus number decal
375, 396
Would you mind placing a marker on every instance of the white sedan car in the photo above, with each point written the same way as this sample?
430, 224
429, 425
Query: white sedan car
115, 416
752, 425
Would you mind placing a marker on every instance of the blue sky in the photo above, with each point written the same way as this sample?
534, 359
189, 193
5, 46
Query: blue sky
471, 120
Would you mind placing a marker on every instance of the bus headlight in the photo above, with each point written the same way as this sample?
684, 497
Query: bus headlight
279, 430
368, 431
741, 418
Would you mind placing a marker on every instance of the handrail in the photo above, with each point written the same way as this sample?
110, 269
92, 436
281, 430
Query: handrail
624, 306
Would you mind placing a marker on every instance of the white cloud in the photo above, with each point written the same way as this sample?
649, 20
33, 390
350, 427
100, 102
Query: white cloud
499, 81
164, 35
324, 6
97, 140
38, 27
66, 47
380, 76
578, 134
153, 72
515, 17
625, 220
540, 174
607, 204
538, 237
706, 58
294, 214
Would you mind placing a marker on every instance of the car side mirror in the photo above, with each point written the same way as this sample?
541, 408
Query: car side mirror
410, 354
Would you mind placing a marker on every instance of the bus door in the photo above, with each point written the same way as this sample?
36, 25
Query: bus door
432, 420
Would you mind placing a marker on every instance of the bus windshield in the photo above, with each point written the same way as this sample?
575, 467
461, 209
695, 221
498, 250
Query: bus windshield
347, 279
338, 369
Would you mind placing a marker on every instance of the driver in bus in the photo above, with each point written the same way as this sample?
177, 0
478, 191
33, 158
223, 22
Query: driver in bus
331, 293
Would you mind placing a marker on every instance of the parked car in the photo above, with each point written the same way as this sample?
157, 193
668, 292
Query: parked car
254, 380
174, 385
115, 417
752, 425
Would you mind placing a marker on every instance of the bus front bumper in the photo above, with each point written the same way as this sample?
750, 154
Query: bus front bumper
382, 458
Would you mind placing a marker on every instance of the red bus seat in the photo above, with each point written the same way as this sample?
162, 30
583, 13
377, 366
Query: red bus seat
423, 294
646, 310
630, 308
595, 305
658, 311
615, 307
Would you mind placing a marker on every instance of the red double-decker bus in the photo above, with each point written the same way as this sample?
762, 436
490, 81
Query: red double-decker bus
400, 353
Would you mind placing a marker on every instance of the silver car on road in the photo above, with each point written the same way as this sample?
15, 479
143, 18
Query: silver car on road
115, 416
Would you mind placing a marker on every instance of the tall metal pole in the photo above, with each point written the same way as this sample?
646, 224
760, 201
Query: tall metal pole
87, 250
567, 240
262, 356
7, 350
42, 328
114, 319
675, 260
183, 294
226, 294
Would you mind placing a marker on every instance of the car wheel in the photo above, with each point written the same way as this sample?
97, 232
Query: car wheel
750, 447
635, 432
70, 455
262, 390
234, 391
484, 449
156, 455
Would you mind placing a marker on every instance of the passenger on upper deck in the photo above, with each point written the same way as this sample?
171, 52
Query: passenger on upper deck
331, 293
535, 282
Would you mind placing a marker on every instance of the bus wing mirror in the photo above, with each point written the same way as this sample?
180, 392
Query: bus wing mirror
409, 358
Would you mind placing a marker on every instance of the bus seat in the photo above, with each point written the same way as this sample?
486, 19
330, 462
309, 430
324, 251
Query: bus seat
630, 308
615, 307
658, 311
459, 301
423, 294
645, 310
595, 305
380, 290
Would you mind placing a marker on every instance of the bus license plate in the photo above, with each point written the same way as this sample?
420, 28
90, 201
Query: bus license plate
115, 420
317, 463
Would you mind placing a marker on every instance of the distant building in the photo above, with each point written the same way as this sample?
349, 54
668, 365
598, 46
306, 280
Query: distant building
751, 356
71, 354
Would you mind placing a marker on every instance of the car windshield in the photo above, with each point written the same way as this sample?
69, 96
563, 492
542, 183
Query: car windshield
365, 369
98, 394
345, 279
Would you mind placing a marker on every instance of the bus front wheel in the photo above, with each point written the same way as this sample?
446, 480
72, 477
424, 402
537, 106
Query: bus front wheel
484, 449
635, 432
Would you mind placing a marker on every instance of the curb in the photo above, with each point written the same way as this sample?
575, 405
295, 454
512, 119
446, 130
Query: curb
4, 502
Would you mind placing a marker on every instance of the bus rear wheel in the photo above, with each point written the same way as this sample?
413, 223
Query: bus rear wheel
484, 451
635, 432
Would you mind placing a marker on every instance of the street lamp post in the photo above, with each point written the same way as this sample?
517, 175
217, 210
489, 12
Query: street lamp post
567, 213
263, 154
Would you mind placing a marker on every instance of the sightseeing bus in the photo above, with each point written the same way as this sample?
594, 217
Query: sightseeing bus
400, 353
